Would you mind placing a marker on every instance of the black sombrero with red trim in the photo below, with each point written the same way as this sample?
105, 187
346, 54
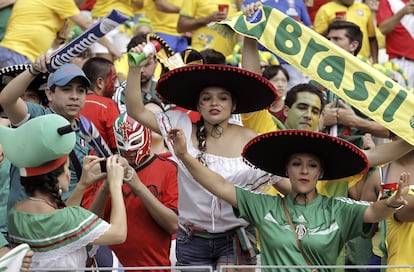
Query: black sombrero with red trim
270, 152
182, 86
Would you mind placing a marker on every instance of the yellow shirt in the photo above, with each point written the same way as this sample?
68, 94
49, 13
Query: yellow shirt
163, 22
260, 121
205, 37
103, 7
122, 68
358, 13
400, 242
33, 25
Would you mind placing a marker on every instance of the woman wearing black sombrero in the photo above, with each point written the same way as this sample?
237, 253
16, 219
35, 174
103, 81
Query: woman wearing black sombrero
216, 91
303, 228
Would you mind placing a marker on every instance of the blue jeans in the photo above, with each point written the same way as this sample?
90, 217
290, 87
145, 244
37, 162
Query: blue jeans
375, 260
9, 57
198, 251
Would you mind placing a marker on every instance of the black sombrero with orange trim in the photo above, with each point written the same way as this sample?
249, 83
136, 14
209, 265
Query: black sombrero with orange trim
182, 86
270, 152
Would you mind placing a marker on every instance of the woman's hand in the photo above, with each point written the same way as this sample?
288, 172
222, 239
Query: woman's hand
138, 50
91, 171
179, 143
398, 199
115, 171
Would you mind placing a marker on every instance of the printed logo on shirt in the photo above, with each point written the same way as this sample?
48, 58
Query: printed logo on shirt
301, 230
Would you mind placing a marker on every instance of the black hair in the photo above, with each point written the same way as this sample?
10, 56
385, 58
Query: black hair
353, 32
292, 94
271, 70
136, 40
46, 183
97, 67
212, 56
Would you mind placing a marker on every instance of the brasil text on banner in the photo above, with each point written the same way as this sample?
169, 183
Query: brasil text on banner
365, 88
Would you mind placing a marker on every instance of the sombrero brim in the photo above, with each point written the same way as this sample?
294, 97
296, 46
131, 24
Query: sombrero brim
10, 72
14, 70
183, 85
165, 50
270, 152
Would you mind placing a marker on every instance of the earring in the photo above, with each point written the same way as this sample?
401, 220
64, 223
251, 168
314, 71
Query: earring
60, 191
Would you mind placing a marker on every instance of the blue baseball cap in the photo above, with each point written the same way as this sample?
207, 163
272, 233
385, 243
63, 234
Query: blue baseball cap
65, 74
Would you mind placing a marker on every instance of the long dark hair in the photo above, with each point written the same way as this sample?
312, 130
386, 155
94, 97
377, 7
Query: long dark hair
46, 184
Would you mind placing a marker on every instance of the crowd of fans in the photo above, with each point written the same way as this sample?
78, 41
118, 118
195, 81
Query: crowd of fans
166, 154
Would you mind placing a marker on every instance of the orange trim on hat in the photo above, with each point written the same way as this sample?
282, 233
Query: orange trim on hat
44, 168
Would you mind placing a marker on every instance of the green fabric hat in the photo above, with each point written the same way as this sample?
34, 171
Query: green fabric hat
38, 141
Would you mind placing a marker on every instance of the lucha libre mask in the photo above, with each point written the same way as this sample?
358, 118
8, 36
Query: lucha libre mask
131, 136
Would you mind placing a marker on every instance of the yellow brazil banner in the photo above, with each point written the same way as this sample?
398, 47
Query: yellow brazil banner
355, 81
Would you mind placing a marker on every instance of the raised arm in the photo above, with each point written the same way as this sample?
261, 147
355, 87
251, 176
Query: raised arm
387, 152
260, 121
90, 174
14, 107
250, 55
133, 97
250, 52
384, 208
210, 180
116, 234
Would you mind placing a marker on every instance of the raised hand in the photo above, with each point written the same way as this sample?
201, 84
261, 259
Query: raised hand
91, 171
398, 199
176, 135
249, 9
115, 171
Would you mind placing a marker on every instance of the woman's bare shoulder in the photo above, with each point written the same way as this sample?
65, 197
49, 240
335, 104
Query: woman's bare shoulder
245, 133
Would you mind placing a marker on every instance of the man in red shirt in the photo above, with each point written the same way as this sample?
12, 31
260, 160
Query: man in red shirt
396, 21
99, 107
151, 198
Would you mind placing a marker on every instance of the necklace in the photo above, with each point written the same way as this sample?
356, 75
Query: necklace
43, 200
